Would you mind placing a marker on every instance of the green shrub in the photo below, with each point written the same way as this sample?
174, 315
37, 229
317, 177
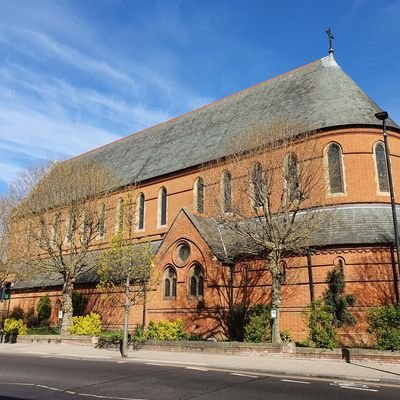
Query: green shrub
286, 336
43, 330
258, 329
166, 330
15, 325
320, 321
44, 310
236, 319
17, 313
336, 299
384, 326
112, 336
138, 334
258, 326
31, 319
79, 302
87, 325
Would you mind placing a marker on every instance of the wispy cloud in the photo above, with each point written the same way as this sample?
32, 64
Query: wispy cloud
43, 44
63, 94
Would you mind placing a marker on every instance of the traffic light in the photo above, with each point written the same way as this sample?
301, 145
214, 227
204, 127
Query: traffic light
6, 291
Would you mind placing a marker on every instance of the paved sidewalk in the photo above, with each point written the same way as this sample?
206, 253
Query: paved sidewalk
266, 364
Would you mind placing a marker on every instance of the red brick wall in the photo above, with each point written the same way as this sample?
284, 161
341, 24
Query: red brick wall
368, 271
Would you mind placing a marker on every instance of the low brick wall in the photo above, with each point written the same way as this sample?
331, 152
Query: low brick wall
285, 350
78, 340
348, 355
220, 347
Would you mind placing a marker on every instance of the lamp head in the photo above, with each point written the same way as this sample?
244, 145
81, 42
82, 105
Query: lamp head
382, 115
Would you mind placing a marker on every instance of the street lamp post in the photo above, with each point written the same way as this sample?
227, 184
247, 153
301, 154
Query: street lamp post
382, 116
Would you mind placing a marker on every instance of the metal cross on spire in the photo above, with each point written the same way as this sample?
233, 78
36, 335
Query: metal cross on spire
330, 38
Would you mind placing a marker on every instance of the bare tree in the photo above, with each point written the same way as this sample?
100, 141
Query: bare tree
127, 267
59, 213
5, 213
265, 191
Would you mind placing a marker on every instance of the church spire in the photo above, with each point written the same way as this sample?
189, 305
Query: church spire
330, 39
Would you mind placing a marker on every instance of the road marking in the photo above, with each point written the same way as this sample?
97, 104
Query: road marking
147, 360
17, 383
197, 368
106, 397
85, 356
353, 386
122, 362
245, 375
50, 388
32, 352
359, 388
159, 365
97, 396
292, 381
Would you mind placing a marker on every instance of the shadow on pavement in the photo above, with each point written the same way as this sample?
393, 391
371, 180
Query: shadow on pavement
346, 355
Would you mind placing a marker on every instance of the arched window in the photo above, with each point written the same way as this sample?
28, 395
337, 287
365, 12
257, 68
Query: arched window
381, 167
102, 221
71, 228
242, 275
339, 263
140, 211
257, 182
86, 227
170, 283
335, 169
292, 177
120, 215
162, 207
282, 265
196, 281
57, 229
226, 185
199, 195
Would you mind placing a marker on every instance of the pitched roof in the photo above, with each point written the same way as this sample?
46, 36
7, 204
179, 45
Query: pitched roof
357, 224
317, 95
88, 275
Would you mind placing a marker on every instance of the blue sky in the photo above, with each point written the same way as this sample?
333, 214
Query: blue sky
78, 74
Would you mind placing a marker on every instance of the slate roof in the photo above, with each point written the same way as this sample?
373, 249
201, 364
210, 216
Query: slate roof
369, 224
317, 95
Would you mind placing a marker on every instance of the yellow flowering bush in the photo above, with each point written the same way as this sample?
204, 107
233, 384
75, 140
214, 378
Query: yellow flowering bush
166, 330
87, 325
15, 325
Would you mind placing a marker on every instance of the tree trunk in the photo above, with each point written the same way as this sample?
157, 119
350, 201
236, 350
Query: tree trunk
144, 305
276, 299
124, 350
68, 288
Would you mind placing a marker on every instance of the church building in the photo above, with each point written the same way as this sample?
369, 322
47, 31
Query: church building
202, 266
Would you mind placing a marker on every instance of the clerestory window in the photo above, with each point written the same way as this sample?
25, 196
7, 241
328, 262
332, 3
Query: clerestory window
198, 197
102, 221
292, 178
257, 182
226, 192
140, 211
381, 167
335, 169
120, 215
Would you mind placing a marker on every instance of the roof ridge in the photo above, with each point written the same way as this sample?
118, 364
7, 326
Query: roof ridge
142, 131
